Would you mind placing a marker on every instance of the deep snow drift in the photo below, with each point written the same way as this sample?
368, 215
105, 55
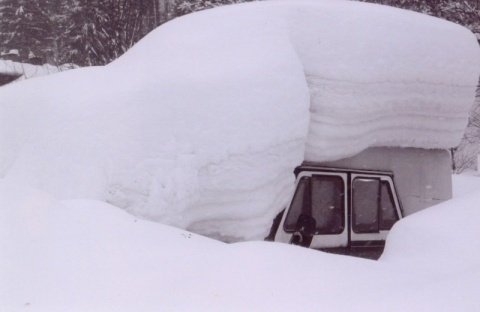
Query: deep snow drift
89, 256
201, 124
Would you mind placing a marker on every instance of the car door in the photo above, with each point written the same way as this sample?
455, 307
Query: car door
374, 208
318, 211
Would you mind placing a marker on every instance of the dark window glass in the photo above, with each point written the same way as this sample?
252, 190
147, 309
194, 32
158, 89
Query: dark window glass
388, 213
300, 204
366, 200
328, 205
321, 197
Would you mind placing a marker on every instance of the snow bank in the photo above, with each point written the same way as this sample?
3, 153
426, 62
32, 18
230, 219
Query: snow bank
85, 255
201, 124
465, 182
446, 236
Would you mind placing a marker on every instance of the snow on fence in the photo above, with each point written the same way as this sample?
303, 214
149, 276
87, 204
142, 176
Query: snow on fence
26, 71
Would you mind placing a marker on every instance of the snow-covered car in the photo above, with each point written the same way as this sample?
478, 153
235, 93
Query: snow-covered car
201, 124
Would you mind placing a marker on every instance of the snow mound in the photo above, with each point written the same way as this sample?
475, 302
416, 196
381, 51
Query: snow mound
445, 235
201, 124
86, 255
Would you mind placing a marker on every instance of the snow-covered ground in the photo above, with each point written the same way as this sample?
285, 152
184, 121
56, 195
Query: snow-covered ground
465, 182
85, 255
201, 123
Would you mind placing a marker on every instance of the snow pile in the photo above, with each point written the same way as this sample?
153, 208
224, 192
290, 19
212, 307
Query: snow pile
201, 124
446, 236
89, 256
466, 182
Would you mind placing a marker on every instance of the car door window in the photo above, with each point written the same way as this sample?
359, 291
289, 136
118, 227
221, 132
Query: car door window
320, 197
300, 204
373, 205
388, 213
366, 201
328, 205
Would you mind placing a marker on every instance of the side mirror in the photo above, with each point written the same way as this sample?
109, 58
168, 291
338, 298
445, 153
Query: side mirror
304, 231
